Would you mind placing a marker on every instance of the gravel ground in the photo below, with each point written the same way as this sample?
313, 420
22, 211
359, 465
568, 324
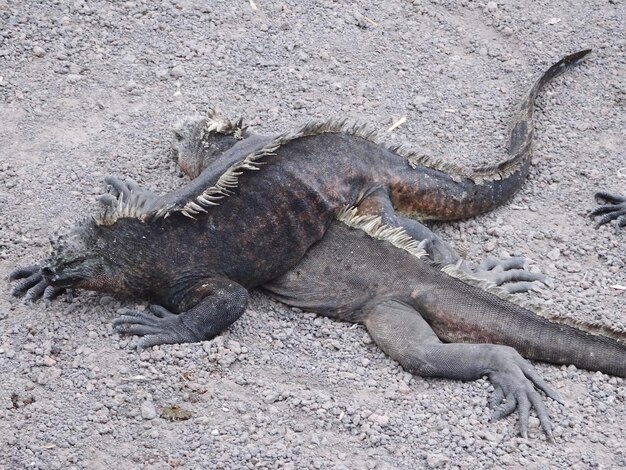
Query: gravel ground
92, 88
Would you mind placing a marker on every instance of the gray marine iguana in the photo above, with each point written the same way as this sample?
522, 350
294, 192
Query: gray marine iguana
435, 320
252, 214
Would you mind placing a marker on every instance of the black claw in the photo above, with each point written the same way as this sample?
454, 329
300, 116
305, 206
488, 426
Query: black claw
161, 312
520, 287
601, 210
614, 208
36, 291
22, 272
605, 219
25, 284
51, 292
505, 409
496, 399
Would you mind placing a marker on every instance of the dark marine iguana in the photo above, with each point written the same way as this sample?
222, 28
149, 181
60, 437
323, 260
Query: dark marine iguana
252, 214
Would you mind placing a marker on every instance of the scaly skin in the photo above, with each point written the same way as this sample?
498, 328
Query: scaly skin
420, 316
152, 260
193, 151
277, 197
345, 170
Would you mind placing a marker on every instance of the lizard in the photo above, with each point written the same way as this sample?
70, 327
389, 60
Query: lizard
252, 214
90, 258
423, 315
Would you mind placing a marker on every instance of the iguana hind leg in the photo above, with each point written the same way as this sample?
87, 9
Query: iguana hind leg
508, 274
405, 336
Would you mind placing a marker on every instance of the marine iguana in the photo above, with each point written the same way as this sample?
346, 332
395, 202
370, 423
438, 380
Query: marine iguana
196, 146
253, 213
613, 208
260, 206
421, 314
364, 272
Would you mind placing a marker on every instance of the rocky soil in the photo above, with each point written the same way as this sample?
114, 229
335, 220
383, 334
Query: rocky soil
93, 88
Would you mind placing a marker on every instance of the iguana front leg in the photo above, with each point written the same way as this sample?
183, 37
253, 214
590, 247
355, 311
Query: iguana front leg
220, 302
405, 336
613, 208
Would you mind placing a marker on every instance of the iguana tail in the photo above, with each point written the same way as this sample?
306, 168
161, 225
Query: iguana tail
465, 310
452, 192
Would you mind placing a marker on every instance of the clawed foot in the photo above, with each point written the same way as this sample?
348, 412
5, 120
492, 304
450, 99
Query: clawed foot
509, 274
158, 326
33, 286
514, 380
613, 208
126, 197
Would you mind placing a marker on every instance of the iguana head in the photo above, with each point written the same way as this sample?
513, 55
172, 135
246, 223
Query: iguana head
78, 260
201, 139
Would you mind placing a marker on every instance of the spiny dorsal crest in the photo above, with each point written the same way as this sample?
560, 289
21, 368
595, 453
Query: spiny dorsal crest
397, 236
216, 123
374, 227
253, 161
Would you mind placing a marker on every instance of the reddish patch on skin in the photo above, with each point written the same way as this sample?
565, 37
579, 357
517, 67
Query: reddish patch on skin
187, 169
370, 206
113, 284
407, 200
